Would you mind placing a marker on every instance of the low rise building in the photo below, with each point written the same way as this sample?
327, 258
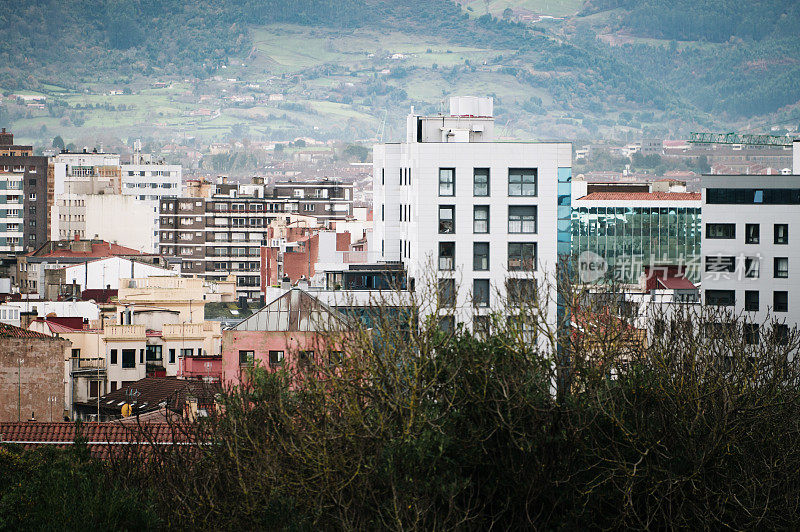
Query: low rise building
293, 331
31, 375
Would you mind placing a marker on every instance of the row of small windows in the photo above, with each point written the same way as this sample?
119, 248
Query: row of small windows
518, 291
521, 219
727, 298
521, 181
521, 256
752, 233
152, 354
751, 332
751, 266
751, 196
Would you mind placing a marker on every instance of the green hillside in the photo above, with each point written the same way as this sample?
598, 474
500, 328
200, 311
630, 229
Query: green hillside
273, 69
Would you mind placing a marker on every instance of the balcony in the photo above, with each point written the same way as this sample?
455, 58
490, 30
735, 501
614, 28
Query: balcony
87, 366
174, 331
126, 332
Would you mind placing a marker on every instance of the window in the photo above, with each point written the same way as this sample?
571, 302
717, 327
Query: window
774, 196
721, 298
246, 358
335, 358
720, 264
752, 233
32, 196
128, 358
447, 256
76, 353
153, 353
751, 267
720, 230
305, 358
480, 256
446, 292
447, 181
447, 219
751, 334
447, 324
522, 181
480, 219
521, 256
94, 389
751, 300
480, 292
781, 267
480, 183
717, 329
171, 356
275, 359
481, 325
520, 291
522, 219
780, 301
141, 356
782, 234
113, 356
780, 333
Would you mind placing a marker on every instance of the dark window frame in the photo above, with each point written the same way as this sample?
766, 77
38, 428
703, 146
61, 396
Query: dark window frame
451, 183
476, 172
719, 231
479, 257
720, 298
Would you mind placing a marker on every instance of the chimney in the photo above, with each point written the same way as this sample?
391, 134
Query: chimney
286, 283
26, 318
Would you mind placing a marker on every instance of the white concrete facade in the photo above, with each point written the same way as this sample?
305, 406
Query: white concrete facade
11, 210
755, 230
107, 272
407, 199
121, 219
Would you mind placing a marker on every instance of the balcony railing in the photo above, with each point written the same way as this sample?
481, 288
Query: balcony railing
183, 330
91, 366
119, 332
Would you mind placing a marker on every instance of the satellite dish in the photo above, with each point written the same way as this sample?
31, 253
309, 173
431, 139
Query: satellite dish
126, 410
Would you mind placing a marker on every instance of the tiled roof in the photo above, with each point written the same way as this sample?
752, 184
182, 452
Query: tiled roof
676, 283
642, 196
100, 438
10, 331
152, 393
99, 249
99, 295
58, 327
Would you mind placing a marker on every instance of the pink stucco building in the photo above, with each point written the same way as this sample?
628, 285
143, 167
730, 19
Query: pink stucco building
292, 330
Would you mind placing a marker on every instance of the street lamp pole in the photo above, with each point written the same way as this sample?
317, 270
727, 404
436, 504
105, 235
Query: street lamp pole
19, 389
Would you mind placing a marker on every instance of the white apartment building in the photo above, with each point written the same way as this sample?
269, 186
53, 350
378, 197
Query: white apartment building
11, 210
751, 256
137, 188
117, 218
478, 216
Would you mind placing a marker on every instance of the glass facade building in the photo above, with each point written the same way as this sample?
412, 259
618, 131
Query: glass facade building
629, 238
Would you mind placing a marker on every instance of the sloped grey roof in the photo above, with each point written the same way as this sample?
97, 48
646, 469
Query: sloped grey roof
294, 311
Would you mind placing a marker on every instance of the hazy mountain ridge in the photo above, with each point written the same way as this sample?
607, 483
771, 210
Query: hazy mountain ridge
376, 58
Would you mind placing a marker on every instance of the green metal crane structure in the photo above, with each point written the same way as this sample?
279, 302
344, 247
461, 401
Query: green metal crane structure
736, 138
